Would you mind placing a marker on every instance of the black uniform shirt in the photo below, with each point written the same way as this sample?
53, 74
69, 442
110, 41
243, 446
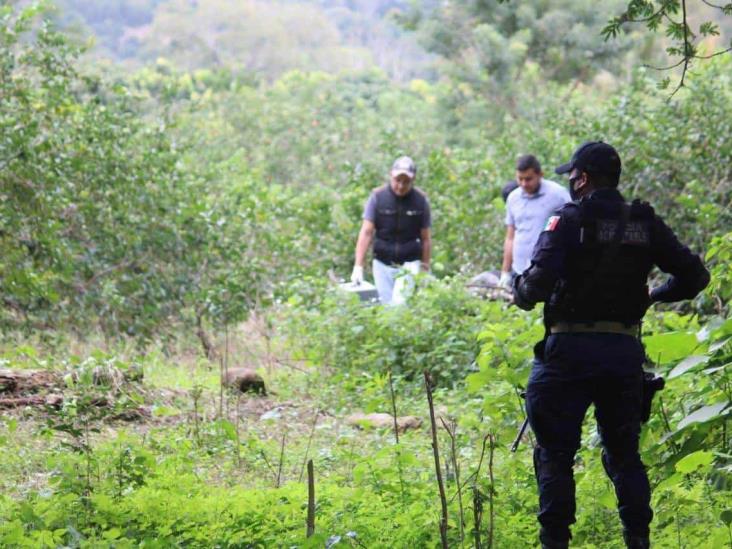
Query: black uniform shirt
561, 243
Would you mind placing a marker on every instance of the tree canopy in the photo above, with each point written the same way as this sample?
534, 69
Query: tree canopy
180, 201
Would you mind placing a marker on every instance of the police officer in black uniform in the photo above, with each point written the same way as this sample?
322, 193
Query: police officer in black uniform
590, 268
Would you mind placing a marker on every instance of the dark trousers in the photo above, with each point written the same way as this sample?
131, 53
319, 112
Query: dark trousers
572, 372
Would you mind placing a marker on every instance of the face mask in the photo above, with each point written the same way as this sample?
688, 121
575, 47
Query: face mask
573, 192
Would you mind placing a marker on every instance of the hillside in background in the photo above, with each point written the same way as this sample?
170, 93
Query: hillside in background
404, 39
263, 37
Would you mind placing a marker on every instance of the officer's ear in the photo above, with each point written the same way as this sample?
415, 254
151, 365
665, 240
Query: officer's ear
583, 181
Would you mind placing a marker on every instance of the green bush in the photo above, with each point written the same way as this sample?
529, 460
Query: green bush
436, 332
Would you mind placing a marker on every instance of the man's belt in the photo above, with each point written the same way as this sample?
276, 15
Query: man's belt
601, 327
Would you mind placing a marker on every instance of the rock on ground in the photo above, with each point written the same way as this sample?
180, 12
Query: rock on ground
384, 421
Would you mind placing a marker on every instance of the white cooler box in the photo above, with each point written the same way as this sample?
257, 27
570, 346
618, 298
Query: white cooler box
365, 291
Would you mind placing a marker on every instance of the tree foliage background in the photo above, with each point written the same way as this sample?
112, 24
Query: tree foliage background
202, 164
147, 198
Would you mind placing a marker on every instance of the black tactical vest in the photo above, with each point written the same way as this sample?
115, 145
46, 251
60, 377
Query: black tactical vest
606, 278
398, 225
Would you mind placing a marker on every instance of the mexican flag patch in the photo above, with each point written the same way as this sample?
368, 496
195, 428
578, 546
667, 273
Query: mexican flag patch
551, 223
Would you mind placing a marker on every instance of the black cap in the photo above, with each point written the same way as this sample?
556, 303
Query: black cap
593, 157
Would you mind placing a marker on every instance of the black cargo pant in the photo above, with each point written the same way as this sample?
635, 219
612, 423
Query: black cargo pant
574, 371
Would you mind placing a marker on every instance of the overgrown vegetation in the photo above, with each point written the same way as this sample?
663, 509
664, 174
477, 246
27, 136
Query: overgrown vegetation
161, 226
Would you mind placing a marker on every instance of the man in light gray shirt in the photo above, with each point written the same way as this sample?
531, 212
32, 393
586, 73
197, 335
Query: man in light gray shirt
527, 209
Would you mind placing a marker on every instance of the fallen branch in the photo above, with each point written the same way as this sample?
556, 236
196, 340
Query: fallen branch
51, 400
19, 381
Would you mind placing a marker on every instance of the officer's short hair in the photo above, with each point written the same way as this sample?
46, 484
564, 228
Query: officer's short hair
528, 162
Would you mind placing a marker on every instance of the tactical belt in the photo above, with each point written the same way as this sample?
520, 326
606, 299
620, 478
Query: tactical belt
602, 326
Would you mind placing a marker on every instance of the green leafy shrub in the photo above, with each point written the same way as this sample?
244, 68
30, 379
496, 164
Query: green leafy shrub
436, 332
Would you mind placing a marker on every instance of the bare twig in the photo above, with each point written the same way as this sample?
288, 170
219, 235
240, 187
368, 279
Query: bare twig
478, 497
221, 387
712, 5
226, 359
393, 408
667, 423
452, 432
311, 500
477, 516
491, 492
238, 434
436, 453
196, 396
289, 364
267, 463
667, 68
396, 437
627, 19
310, 440
268, 339
474, 475
715, 54
482, 455
282, 460
351, 454
688, 50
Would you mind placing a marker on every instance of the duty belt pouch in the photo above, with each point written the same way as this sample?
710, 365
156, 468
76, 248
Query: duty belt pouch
651, 385
539, 347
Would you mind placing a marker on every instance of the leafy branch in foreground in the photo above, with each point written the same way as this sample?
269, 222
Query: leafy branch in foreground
663, 15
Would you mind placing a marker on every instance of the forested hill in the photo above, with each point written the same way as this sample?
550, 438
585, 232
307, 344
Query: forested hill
259, 36
179, 202
404, 39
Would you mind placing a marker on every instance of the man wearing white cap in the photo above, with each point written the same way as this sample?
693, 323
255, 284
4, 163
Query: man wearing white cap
397, 219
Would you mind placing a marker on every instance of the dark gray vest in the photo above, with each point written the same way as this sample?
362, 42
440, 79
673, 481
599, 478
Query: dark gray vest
398, 223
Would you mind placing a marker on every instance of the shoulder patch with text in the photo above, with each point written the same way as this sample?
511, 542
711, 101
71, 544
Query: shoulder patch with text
552, 223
